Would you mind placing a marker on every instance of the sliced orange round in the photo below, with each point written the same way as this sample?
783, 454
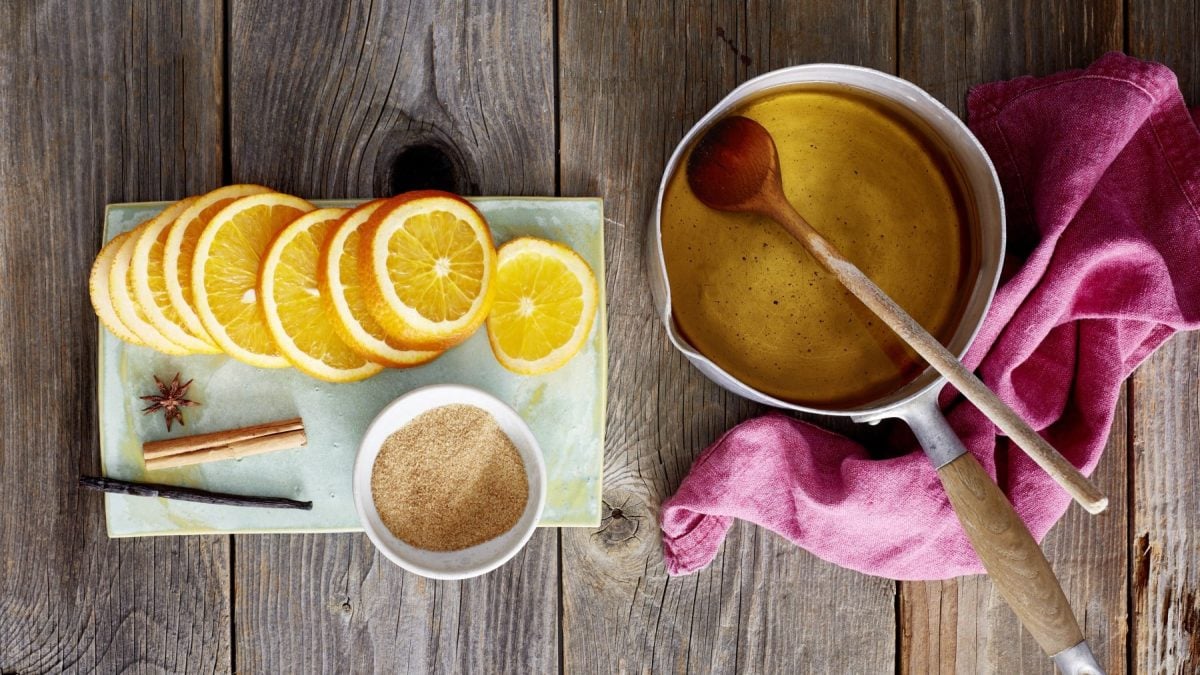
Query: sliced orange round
179, 249
427, 262
291, 300
120, 290
150, 286
346, 302
98, 290
225, 274
546, 299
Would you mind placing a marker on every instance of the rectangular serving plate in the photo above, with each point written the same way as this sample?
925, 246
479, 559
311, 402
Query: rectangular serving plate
565, 409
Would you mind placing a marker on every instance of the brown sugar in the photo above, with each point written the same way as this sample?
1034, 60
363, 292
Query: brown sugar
449, 479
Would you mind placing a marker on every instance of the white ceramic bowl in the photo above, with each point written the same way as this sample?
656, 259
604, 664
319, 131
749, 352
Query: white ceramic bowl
468, 562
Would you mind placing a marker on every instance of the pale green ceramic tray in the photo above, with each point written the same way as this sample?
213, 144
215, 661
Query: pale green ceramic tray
565, 408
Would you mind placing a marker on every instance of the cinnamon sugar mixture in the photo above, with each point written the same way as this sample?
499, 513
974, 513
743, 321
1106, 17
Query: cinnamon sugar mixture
449, 479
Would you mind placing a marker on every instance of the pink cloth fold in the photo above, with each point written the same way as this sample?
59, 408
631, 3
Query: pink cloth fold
1101, 173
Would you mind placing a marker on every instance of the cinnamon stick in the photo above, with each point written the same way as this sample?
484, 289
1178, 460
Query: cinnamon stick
228, 444
175, 446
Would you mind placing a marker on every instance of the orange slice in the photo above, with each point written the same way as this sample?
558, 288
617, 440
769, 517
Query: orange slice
179, 250
98, 290
346, 302
225, 274
291, 300
120, 290
150, 286
546, 298
427, 263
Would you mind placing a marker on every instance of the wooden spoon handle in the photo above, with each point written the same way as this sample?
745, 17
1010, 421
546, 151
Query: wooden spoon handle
1012, 558
936, 355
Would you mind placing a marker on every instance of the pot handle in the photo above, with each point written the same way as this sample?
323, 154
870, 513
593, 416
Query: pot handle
1009, 552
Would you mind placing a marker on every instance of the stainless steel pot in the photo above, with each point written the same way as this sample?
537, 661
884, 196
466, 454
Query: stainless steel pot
916, 402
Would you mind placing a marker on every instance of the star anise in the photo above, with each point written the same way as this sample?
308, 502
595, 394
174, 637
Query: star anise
170, 398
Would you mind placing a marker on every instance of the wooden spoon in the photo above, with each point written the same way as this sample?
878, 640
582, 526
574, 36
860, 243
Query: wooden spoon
735, 167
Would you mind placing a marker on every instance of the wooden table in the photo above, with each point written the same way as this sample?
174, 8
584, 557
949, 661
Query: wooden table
106, 101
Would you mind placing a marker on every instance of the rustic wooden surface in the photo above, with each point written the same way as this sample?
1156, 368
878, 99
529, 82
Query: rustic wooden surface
120, 101
93, 109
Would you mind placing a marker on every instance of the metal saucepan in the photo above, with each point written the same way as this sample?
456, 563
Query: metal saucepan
996, 532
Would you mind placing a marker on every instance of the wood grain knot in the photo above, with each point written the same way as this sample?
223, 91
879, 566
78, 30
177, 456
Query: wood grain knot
426, 166
623, 524
342, 608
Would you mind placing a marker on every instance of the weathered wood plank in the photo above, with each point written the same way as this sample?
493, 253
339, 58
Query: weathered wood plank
632, 80
964, 625
341, 99
1165, 553
367, 99
1166, 511
102, 102
947, 46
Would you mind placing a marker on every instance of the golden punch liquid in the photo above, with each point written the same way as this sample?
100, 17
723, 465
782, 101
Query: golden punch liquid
884, 191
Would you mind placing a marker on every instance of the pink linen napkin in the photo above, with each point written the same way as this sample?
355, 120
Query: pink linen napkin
1101, 173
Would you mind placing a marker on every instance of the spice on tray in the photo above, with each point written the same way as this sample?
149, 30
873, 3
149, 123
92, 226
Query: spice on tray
169, 399
449, 479
228, 444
